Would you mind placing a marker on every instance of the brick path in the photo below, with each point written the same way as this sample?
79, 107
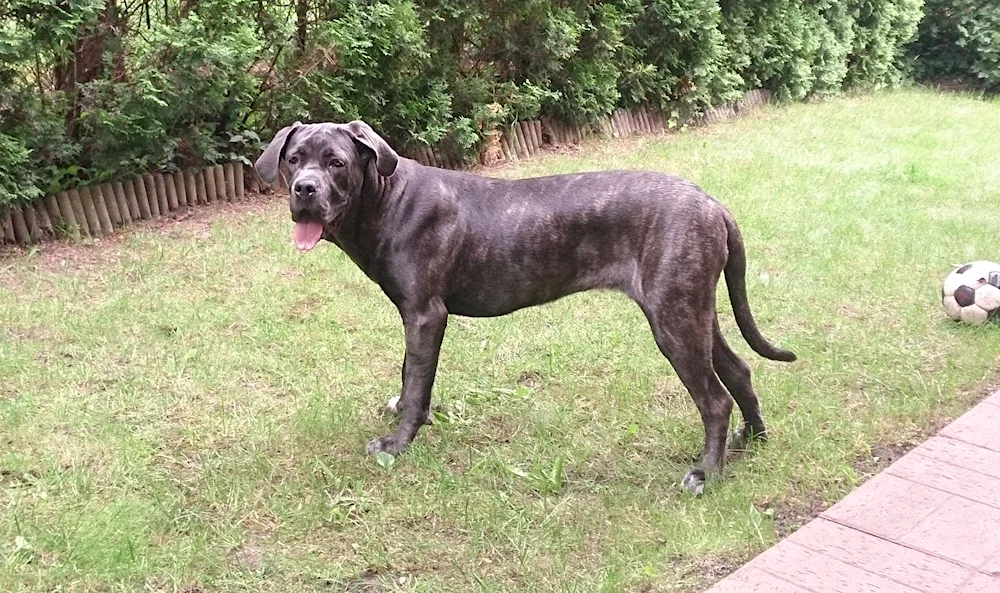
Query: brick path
929, 523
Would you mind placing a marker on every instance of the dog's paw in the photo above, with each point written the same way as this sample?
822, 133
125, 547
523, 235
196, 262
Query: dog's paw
694, 482
387, 444
392, 406
742, 438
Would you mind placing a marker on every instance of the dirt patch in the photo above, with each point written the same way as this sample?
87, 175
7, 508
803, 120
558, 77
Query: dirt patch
881, 457
369, 581
250, 554
529, 378
705, 571
250, 557
304, 309
955, 85
791, 514
66, 254
160, 584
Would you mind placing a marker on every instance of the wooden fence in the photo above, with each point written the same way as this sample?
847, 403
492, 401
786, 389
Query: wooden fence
526, 138
99, 210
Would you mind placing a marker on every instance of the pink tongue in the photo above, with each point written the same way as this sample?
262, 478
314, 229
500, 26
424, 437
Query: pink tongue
307, 235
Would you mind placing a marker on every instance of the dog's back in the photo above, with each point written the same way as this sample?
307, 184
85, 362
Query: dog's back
527, 242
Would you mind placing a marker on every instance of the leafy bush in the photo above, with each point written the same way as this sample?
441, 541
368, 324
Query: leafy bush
17, 179
89, 92
960, 39
680, 53
882, 28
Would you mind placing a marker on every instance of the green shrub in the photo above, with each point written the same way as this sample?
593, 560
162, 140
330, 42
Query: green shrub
960, 39
88, 93
18, 181
882, 30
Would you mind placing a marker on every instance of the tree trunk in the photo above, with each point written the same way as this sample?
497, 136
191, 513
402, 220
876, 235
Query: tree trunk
94, 41
301, 25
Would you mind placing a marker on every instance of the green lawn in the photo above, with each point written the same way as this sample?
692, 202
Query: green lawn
187, 409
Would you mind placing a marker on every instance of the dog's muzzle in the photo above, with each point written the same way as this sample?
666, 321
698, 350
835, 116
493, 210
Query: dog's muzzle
308, 212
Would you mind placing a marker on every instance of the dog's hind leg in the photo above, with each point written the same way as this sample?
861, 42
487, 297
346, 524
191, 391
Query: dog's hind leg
735, 375
686, 340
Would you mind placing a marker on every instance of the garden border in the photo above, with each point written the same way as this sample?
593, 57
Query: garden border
99, 210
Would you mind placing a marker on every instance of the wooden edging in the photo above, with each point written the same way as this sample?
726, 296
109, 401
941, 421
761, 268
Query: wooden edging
524, 139
101, 209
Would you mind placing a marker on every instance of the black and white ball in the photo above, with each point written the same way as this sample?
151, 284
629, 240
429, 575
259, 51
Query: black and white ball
971, 293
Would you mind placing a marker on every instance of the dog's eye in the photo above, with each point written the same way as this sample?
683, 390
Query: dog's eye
293, 160
337, 163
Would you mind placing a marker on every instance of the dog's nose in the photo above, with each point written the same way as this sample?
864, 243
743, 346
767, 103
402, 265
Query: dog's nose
305, 188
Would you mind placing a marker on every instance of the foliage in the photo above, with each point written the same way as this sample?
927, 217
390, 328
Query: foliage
960, 39
881, 29
99, 89
17, 180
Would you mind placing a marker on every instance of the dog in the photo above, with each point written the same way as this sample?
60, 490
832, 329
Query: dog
443, 243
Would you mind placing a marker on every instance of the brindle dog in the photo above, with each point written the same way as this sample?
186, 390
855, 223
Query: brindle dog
443, 243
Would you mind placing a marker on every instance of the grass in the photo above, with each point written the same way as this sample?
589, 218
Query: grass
187, 409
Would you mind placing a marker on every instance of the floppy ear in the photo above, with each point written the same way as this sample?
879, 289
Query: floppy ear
267, 162
386, 158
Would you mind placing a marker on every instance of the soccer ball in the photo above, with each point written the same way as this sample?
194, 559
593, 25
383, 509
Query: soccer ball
971, 293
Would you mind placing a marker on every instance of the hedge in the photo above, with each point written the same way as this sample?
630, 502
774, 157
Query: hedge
960, 39
91, 93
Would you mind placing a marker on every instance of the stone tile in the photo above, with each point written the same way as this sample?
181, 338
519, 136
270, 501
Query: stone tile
959, 530
817, 572
887, 506
974, 485
751, 579
919, 570
992, 566
978, 426
930, 523
980, 583
961, 454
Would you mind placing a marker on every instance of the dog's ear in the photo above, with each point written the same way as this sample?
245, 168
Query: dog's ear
267, 163
386, 158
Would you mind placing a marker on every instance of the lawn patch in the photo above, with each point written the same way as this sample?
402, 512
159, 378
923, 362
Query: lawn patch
186, 408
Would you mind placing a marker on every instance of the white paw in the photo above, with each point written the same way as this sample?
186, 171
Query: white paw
392, 406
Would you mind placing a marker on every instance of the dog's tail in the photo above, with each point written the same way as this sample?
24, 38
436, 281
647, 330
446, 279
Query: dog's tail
735, 271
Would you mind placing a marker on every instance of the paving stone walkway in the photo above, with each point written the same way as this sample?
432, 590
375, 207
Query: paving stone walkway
929, 523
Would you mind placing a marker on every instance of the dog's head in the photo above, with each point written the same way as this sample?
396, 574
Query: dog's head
325, 166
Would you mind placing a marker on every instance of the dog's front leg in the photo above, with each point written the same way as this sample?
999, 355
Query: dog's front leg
424, 328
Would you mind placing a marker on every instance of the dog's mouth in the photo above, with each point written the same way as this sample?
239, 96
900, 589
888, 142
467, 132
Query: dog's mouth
307, 234
309, 231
